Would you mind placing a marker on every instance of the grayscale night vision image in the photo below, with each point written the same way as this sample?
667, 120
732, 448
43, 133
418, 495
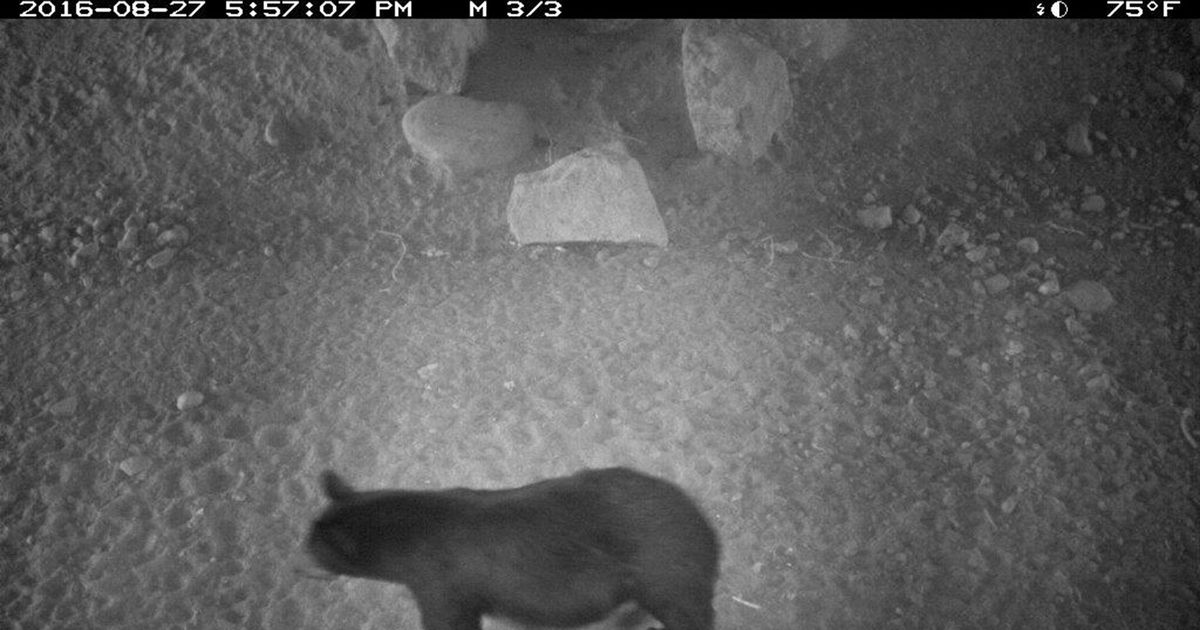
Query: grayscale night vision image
598, 324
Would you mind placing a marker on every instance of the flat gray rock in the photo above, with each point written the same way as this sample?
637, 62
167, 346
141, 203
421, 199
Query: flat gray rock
596, 194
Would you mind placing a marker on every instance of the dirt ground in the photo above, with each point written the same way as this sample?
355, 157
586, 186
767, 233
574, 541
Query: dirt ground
897, 428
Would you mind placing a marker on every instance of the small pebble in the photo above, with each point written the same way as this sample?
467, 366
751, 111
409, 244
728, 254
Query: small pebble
161, 259
1028, 245
954, 235
133, 466
1172, 81
1077, 140
875, 217
128, 239
177, 235
1089, 296
428, 371
1092, 203
997, 283
188, 400
1039, 150
64, 407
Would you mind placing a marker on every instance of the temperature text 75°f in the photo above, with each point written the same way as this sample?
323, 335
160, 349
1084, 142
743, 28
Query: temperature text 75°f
1142, 8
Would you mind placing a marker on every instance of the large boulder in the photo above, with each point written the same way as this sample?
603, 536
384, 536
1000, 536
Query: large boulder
737, 91
463, 135
433, 53
596, 194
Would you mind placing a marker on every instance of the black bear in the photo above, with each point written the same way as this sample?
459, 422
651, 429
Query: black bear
562, 552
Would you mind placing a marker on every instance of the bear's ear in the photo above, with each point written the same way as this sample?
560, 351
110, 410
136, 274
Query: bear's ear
335, 488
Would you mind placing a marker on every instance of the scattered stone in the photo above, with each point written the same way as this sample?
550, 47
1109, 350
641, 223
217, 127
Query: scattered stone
48, 234
1089, 296
132, 226
1193, 129
977, 253
737, 90
464, 135
428, 371
911, 215
1172, 82
1028, 245
997, 283
433, 53
954, 235
1077, 140
597, 194
177, 236
1039, 150
161, 259
1090, 99
83, 250
64, 407
134, 466
1092, 203
875, 217
189, 400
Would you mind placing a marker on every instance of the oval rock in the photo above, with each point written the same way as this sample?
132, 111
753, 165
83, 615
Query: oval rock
466, 135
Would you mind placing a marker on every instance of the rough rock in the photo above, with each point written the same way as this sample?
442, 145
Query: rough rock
1077, 140
1028, 245
433, 53
1193, 129
954, 235
596, 194
875, 217
737, 91
996, 283
161, 259
1089, 296
1163, 82
465, 135
188, 400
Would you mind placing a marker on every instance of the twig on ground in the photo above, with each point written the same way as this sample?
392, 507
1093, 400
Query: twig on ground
1185, 427
769, 242
1063, 228
403, 251
746, 603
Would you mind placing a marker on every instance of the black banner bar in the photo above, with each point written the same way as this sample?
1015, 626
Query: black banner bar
1052, 10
